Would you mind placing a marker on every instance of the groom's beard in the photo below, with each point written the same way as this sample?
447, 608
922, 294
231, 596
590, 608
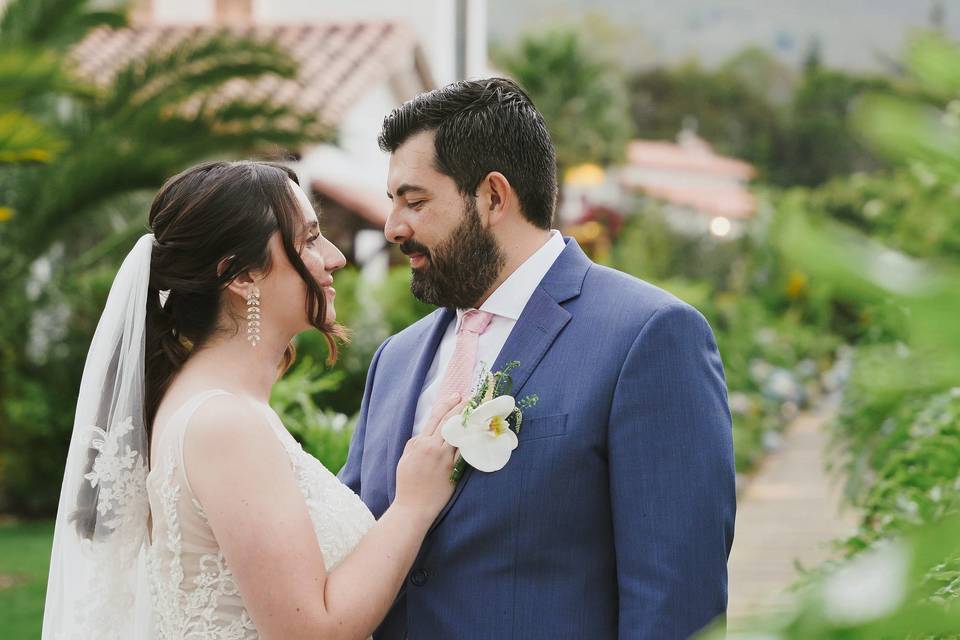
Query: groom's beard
461, 268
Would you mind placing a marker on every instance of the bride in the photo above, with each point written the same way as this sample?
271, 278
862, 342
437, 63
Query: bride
187, 510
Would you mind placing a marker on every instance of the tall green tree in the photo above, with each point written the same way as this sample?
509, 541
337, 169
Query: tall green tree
725, 110
820, 141
581, 95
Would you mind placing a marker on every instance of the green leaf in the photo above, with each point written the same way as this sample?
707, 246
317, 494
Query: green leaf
902, 128
56, 23
935, 62
29, 72
24, 140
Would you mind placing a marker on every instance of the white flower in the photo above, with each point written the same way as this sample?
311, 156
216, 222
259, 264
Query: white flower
869, 587
484, 438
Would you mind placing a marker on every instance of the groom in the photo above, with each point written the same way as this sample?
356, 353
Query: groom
614, 516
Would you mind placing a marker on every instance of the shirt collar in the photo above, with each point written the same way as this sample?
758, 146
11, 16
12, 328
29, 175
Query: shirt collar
512, 295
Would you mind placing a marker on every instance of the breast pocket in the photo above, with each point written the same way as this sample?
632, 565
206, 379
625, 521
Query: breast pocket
542, 427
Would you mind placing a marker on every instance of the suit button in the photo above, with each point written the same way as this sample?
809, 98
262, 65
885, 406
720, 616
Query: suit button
419, 577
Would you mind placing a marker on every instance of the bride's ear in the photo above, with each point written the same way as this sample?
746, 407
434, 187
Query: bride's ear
240, 285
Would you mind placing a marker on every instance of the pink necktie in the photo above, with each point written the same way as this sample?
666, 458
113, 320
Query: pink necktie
459, 375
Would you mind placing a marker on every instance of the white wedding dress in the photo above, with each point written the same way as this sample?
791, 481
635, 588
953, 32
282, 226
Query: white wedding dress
195, 596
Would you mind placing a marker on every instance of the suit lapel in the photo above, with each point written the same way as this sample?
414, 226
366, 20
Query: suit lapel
420, 361
537, 328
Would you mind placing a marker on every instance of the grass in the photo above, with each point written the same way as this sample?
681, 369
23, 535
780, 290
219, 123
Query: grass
24, 561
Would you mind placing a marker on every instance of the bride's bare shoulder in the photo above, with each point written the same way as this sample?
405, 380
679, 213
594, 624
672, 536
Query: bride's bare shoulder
230, 434
228, 420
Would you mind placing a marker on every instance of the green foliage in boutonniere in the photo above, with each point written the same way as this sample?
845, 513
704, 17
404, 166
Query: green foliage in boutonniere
486, 431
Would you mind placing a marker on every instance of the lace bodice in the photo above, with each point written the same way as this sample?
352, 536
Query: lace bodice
194, 593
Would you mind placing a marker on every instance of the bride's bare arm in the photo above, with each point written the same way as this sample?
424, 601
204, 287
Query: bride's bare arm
242, 476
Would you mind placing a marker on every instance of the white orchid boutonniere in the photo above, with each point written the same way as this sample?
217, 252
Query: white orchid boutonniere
486, 431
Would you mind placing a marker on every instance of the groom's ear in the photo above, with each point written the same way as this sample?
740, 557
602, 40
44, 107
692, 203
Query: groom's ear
495, 197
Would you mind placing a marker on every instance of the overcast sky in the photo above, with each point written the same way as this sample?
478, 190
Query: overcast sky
851, 32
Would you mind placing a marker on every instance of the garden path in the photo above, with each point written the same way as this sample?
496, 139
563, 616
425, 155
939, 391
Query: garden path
788, 515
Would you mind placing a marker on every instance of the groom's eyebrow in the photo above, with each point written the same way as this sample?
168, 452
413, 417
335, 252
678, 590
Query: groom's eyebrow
406, 188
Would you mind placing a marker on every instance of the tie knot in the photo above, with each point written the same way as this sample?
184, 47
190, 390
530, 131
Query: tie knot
475, 321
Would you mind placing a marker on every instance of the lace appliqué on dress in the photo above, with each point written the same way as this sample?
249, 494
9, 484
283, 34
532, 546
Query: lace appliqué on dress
119, 476
195, 593
190, 611
339, 517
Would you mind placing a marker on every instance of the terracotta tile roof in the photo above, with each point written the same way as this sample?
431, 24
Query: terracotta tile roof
338, 61
696, 157
690, 174
373, 207
731, 202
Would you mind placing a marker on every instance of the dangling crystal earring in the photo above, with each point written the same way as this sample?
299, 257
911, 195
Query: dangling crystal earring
253, 316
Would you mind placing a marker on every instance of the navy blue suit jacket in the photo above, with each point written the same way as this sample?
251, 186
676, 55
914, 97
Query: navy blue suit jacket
614, 516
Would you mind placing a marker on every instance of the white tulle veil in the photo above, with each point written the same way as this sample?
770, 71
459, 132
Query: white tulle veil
97, 587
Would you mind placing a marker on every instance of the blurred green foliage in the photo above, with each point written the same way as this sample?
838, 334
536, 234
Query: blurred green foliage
898, 434
24, 564
793, 128
910, 209
581, 95
78, 164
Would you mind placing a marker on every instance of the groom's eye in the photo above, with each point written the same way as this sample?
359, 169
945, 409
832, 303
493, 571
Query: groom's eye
415, 204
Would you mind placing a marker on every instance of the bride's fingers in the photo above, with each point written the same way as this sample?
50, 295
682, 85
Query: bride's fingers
449, 449
456, 411
449, 410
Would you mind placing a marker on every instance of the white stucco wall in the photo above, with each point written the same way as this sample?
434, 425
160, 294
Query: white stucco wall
433, 20
181, 11
356, 159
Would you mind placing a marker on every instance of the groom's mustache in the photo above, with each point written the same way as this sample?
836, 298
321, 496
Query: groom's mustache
411, 246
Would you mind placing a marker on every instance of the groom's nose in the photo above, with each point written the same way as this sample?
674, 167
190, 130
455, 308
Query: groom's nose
396, 230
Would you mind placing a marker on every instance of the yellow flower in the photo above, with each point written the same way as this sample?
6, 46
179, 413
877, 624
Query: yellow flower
5, 213
498, 425
796, 285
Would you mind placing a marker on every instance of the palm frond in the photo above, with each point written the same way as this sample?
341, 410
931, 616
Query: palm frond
200, 64
140, 153
24, 140
27, 73
53, 23
159, 116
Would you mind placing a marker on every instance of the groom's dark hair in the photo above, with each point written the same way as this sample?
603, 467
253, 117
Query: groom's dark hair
483, 126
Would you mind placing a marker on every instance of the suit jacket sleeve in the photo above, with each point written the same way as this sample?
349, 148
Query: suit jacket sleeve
350, 473
671, 478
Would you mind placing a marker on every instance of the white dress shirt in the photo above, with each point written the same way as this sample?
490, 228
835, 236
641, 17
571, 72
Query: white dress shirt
506, 304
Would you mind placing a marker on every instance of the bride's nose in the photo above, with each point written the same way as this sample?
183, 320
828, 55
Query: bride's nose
333, 259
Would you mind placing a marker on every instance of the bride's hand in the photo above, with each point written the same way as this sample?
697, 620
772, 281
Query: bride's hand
423, 472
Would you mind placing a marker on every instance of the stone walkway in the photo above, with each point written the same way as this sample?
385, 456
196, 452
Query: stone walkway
789, 513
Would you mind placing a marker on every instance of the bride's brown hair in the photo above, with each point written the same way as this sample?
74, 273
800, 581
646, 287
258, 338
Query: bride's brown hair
212, 223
